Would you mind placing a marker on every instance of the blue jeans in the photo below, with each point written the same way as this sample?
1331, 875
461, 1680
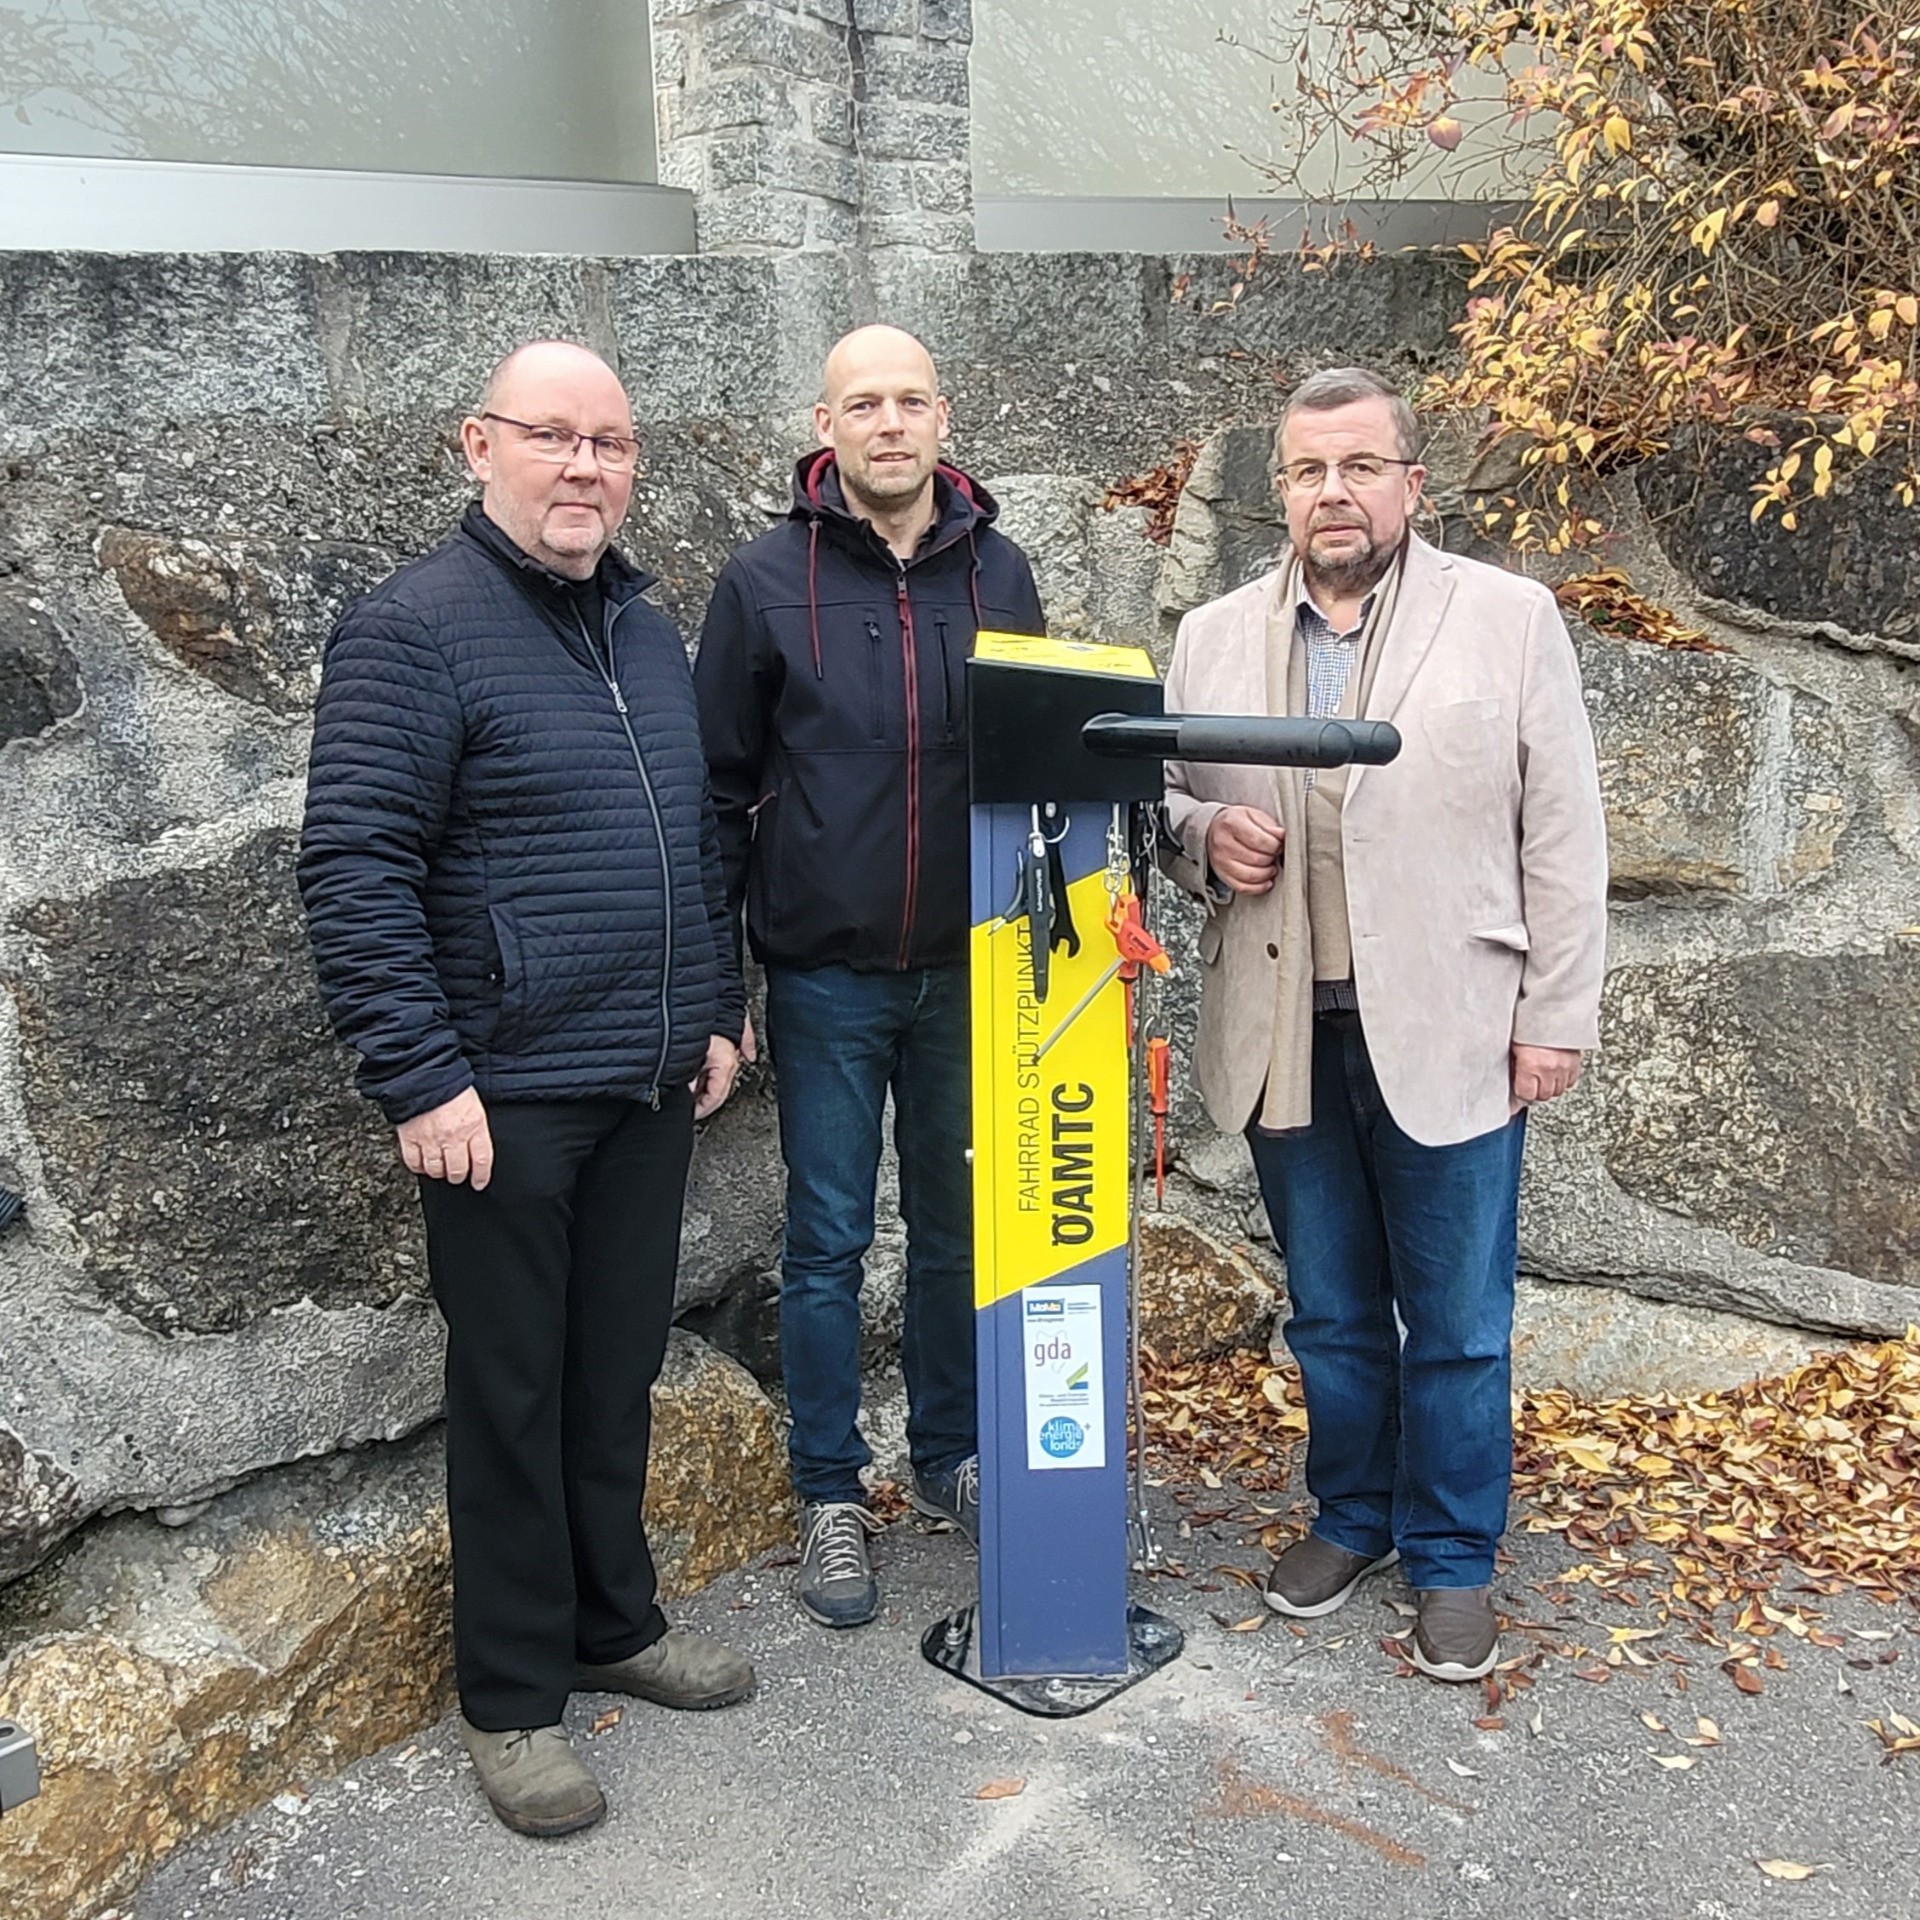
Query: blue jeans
1409, 1442
839, 1039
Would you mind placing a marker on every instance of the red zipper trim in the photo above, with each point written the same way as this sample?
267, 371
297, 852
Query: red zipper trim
911, 668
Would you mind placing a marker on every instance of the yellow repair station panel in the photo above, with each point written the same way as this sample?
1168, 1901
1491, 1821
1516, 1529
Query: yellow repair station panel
1049, 1121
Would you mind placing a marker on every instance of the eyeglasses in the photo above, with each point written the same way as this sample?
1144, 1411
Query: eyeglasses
1364, 470
614, 451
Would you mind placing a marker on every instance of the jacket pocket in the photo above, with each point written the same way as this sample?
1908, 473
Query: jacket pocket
1212, 932
1514, 937
511, 1017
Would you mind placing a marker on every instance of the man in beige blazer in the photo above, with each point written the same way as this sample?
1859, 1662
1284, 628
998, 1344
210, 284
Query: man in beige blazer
1397, 962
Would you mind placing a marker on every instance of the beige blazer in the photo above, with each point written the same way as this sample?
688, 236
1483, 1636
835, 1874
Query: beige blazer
1476, 863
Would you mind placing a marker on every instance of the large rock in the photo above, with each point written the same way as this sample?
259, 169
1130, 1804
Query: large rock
717, 1487
1852, 563
39, 678
1775, 1097
1047, 515
1198, 1296
1229, 525
174, 1680
252, 616
1715, 777
1097, 571
1602, 1344
197, 1121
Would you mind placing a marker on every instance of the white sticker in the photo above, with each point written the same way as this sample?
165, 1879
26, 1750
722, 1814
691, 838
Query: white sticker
1066, 1386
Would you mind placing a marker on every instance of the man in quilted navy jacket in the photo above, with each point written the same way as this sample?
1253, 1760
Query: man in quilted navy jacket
513, 887
832, 692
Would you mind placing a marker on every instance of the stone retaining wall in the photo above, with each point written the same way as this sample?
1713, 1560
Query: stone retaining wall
202, 458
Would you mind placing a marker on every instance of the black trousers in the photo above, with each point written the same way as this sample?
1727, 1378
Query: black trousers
556, 1283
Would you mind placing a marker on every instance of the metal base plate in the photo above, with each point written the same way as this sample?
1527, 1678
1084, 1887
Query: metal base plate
1152, 1641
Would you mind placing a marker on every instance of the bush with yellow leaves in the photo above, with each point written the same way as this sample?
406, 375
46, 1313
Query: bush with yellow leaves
1723, 228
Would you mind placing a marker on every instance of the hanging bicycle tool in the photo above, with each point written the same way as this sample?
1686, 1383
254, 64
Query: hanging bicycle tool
1066, 745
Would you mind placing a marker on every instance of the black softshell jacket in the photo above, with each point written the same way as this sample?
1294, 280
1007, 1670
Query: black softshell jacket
510, 868
832, 686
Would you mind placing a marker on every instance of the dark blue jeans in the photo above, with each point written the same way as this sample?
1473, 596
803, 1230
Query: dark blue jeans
839, 1040
1409, 1441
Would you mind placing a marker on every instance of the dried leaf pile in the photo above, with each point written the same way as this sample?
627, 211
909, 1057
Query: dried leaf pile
1609, 603
1158, 490
1815, 1473
1693, 1507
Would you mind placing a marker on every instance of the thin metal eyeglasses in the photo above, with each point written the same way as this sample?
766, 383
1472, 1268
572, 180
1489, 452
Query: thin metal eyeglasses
614, 451
1364, 470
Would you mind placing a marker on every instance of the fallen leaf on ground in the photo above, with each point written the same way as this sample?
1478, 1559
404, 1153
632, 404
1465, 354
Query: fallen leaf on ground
603, 1722
1001, 1790
1674, 1762
1786, 1869
1902, 1737
1465, 1773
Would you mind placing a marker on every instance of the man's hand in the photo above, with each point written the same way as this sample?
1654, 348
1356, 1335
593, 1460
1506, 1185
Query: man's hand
451, 1142
715, 1079
1542, 1073
1244, 847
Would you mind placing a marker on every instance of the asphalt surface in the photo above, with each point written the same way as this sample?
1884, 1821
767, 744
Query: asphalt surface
1262, 1773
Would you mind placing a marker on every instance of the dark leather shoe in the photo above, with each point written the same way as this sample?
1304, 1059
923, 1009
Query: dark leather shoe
680, 1669
1314, 1577
1456, 1635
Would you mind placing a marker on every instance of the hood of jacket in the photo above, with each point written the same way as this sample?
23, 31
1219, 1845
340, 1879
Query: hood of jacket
961, 505
962, 509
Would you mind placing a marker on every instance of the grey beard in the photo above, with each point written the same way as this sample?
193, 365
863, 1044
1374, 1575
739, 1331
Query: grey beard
1346, 577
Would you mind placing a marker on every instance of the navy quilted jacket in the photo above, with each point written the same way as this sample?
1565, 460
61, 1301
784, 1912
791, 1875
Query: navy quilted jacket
510, 866
832, 681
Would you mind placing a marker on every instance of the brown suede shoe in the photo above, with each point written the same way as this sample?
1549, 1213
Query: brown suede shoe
680, 1669
534, 1780
1314, 1577
1456, 1635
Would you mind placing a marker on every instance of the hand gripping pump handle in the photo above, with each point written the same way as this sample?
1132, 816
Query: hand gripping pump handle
1242, 739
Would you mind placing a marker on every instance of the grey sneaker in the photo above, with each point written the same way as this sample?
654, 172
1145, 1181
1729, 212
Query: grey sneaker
953, 1496
1314, 1577
836, 1584
680, 1669
1456, 1634
534, 1780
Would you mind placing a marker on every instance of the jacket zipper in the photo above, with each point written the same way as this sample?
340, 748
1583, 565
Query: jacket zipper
911, 667
659, 836
875, 724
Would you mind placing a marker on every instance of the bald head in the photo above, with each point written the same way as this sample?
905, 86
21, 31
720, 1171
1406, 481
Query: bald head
531, 445
882, 414
867, 350
538, 363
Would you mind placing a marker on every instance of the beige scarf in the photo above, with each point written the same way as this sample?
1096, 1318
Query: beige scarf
1288, 1100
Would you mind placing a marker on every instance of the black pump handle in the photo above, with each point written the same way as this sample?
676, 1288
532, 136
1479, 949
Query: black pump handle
1247, 740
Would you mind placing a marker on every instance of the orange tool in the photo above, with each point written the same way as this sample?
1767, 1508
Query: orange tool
1137, 946
1159, 1059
